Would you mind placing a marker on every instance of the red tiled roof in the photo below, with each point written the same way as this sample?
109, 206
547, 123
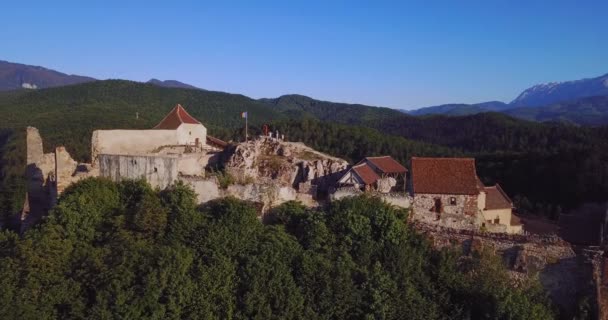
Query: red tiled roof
175, 118
496, 198
444, 175
366, 173
386, 164
215, 141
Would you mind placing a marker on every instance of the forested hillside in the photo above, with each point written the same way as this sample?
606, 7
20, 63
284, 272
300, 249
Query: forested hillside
547, 168
124, 250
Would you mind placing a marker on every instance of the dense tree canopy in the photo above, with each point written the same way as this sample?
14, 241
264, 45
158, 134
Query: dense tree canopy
124, 250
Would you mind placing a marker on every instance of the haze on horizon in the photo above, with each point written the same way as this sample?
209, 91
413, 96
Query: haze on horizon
393, 54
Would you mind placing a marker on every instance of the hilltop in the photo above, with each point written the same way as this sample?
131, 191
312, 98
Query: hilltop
15, 76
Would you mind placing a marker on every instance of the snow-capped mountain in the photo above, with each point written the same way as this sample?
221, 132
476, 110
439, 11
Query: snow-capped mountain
548, 93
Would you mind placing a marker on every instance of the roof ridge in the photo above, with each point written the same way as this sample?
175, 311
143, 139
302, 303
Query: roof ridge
165, 117
504, 194
177, 108
446, 158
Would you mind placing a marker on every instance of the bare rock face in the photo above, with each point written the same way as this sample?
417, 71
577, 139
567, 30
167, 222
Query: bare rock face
266, 160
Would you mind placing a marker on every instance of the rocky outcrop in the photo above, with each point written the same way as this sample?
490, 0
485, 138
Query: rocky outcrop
267, 160
270, 172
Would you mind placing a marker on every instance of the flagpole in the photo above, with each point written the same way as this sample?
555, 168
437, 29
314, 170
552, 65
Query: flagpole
246, 129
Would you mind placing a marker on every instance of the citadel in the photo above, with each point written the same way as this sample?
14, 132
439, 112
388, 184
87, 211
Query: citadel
447, 200
269, 171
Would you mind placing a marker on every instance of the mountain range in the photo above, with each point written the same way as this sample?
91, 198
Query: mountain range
15, 76
580, 102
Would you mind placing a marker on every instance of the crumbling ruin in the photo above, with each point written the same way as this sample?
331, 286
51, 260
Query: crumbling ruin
265, 170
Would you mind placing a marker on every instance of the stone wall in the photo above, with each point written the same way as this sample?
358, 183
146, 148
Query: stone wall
192, 164
206, 189
133, 142
463, 215
397, 199
465, 204
159, 171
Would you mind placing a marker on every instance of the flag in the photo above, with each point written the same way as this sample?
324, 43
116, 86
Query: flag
244, 115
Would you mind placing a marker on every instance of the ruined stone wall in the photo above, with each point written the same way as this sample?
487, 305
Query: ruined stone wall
40, 180
134, 142
159, 171
565, 271
65, 169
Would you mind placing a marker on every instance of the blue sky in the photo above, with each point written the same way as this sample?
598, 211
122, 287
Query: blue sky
397, 54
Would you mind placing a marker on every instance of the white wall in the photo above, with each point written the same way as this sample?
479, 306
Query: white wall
504, 216
187, 133
134, 142
481, 200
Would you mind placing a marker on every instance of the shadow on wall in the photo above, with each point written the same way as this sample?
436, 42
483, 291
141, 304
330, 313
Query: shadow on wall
38, 198
568, 282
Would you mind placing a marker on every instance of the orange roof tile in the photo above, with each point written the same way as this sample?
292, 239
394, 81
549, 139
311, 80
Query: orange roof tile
444, 175
366, 173
386, 164
175, 118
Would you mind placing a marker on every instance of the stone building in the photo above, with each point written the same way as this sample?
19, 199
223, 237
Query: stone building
383, 174
448, 192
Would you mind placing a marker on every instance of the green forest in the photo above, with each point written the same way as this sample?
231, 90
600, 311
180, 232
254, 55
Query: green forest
125, 251
547, 168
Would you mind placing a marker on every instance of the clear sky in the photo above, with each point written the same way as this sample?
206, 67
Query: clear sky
397, 54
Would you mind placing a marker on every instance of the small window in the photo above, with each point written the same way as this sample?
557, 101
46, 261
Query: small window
155, 169
453, 201
190, 132
497, 221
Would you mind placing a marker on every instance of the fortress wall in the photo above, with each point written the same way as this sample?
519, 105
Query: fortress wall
158, 171
130, 141
205, 189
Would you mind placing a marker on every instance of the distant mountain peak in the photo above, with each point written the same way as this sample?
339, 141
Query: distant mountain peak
171, 84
